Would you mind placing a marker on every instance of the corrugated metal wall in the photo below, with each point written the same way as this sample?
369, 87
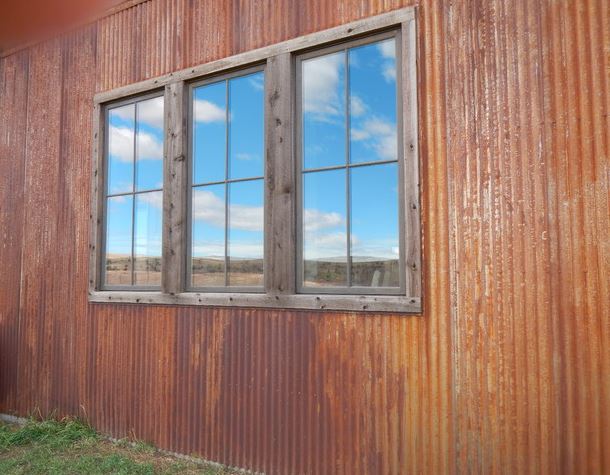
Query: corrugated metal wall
508, 369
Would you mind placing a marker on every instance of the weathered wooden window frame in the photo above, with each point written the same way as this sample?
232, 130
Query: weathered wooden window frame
280, 212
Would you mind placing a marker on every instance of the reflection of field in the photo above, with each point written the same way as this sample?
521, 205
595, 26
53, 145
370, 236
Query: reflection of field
209, 272
147, 270
366, 272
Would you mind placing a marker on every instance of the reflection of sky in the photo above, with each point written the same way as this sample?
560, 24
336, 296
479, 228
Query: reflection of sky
374, 211
245, 132
148, 216
118, 227
122, 133
324, 216
371, 81
246, 219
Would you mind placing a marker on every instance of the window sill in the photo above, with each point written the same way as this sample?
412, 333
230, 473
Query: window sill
350, 303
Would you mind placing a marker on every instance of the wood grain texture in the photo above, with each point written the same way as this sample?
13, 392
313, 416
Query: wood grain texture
508, 370
280, 194
175, 184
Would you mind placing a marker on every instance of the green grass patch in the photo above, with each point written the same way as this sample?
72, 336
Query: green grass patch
69, 446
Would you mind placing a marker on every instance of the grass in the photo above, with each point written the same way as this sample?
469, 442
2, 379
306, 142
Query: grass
69, 446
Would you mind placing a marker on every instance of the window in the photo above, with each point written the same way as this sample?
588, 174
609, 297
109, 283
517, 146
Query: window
282, 177
349, 168
227, 180
134, 188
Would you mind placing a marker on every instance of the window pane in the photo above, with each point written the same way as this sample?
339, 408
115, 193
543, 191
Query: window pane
121, 131
118, 240
324, 229
209, 133
147, 235
149, 144
246, 223
208, 242
323, 106
374, 224
372, 82
246, 131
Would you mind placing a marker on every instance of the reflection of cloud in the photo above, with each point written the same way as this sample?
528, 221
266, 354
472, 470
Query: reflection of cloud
121, 145
387, 49
206, 112
328, 240
210, 208
246, 156
388, 52
118, 199
321, 88
257, 82
149, 112
389, 72
325, 234
379, 134
315, 219
149, 148
237, 249
357, 106
382, 248
154, 198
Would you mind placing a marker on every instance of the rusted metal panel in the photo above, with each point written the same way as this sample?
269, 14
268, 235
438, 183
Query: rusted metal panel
13, 99
508, 368
528, 178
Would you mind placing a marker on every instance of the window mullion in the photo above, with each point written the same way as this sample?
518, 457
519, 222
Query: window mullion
174, 189
226, 184
280, 221
133, 196
348, 194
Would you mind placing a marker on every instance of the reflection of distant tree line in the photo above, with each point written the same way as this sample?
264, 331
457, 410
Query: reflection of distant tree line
250, 266
369, 273
150, 264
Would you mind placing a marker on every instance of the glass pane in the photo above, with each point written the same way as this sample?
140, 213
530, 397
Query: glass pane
324, 229
323, 107
147, 235
246, 131
149, 144
209, 133
208, 241
118, 240
374, 223
246, 224
372, 86
121, 131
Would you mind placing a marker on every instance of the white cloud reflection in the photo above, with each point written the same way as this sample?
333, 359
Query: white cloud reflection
378, 134
322, 88
257, 82
121, 145
210, 208
324, 232
387, 49
357, 106
208, 112
150, 112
